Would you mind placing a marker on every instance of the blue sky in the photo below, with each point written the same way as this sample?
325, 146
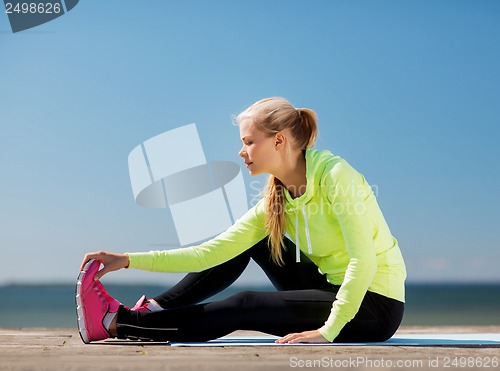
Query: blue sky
407, 91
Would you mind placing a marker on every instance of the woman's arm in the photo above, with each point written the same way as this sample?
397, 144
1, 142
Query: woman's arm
345, 191
246, 232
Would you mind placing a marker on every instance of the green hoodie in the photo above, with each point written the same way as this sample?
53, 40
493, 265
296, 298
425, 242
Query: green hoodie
337, 223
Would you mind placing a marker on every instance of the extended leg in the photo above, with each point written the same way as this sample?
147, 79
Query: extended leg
276, 313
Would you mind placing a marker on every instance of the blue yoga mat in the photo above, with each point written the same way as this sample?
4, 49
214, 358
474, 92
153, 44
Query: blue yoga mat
425, 340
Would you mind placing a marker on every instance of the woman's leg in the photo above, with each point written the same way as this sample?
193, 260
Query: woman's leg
271, 312
277, 313
196, 287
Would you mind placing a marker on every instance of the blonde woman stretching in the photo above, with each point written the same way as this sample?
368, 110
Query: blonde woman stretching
341, 279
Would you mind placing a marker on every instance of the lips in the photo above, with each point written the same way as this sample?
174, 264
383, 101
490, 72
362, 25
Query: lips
248, 163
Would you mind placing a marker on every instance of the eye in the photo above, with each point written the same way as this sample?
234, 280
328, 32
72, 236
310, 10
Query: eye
249, 143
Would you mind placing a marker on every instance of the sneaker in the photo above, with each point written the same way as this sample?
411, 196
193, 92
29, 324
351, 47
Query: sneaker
146, 305
93, 303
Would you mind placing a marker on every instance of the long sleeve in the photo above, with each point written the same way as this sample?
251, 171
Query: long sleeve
346, 196
245, 232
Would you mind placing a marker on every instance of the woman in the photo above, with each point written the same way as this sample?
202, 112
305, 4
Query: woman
341, 279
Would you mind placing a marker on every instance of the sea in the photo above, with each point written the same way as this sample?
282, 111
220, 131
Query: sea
53, 305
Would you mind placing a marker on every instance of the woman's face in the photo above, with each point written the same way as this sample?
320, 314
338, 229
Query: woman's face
259, 150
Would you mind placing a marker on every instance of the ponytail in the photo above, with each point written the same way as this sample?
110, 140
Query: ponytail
275, 218
309, 121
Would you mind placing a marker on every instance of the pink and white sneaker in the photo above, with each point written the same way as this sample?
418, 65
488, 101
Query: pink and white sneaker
146, 305
93, 303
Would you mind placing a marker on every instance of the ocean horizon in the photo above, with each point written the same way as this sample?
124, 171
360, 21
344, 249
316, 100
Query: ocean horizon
430, 304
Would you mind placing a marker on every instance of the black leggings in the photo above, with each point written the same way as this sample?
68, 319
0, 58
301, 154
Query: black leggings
303, 302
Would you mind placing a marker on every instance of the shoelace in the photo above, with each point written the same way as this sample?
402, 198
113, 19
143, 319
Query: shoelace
102, 293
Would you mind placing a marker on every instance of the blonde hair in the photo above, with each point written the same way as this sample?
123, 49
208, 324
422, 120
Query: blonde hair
273, 115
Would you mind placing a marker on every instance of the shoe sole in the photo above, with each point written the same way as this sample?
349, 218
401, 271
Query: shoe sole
80, 316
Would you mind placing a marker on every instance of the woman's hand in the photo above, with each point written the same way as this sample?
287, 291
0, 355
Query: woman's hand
303, 337
111, 261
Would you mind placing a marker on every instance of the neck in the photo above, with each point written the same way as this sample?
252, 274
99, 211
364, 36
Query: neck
293, 174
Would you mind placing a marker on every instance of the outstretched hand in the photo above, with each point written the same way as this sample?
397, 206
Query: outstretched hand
111, 261
313, 336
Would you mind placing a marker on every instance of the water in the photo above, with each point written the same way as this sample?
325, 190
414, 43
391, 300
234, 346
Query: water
54, 305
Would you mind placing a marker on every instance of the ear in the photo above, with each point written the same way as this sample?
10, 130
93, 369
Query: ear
279, 140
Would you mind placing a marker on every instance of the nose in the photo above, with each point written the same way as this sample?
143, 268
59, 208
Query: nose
242, 152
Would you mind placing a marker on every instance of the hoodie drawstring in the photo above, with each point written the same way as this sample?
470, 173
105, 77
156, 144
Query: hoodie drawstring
297, 241
308, 236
